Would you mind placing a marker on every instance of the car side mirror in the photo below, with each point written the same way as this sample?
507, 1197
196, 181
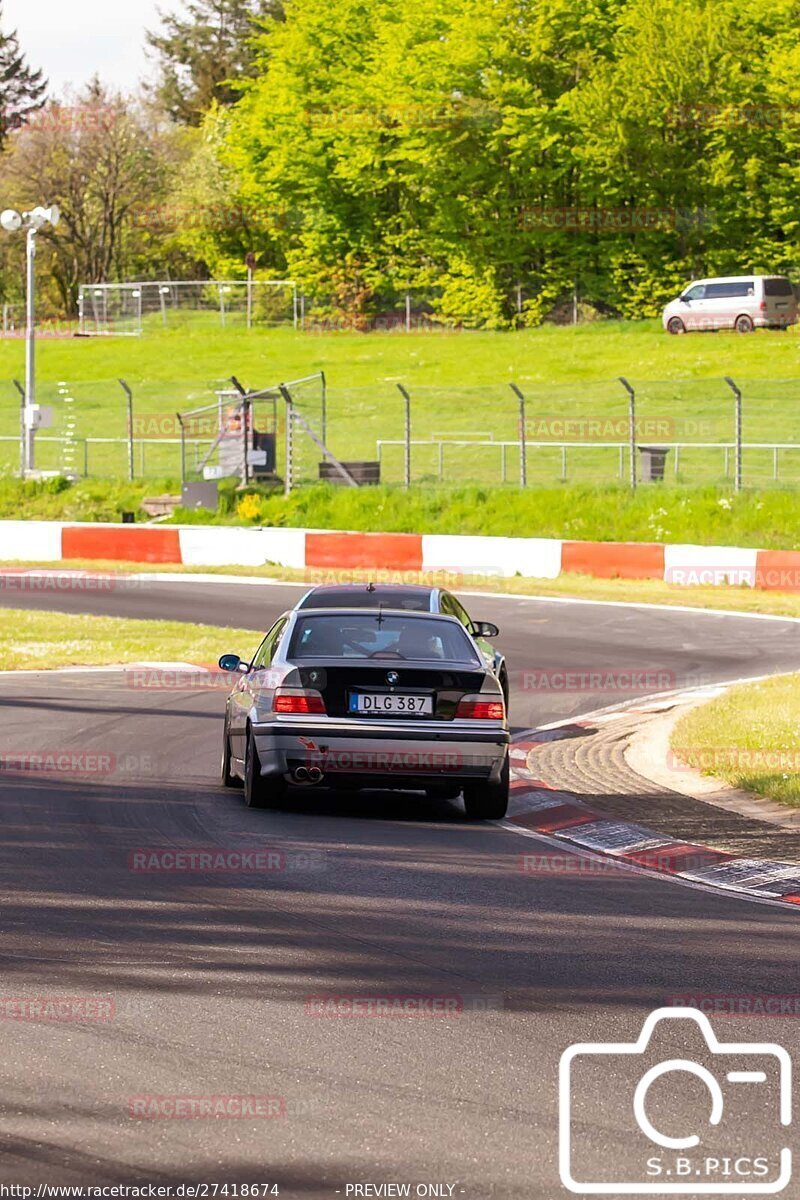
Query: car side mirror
232, 662
485, 629
684, 299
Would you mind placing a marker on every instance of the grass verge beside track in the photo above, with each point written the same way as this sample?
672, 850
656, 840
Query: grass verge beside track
748, 737
45, 640
768, 520
579, 587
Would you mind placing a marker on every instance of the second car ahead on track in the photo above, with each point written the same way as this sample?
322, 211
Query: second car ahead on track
412, 597
367, 698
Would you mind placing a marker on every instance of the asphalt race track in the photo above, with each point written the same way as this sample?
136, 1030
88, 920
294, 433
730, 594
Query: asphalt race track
213, 985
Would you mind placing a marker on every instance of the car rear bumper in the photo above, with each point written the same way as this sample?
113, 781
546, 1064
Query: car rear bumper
775, 320
383, 754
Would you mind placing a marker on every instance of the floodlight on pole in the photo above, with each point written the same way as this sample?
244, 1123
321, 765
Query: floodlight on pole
12, 221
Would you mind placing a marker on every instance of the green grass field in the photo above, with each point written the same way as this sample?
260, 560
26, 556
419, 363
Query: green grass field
747, 737
30, 640
459, 384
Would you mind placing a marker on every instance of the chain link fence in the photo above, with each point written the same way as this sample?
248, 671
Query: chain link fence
686, 432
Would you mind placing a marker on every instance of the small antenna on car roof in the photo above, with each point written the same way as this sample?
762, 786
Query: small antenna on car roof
380, 615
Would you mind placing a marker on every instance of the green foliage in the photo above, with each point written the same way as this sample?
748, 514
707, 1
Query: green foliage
469, 150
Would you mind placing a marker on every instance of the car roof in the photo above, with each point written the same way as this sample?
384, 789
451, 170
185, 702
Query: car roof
369, 595
359, 611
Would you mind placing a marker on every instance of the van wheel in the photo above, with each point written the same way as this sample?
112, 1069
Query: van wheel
743, 324
676, 325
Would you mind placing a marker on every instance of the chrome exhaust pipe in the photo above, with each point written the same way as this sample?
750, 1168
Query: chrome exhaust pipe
314, 774
300, 774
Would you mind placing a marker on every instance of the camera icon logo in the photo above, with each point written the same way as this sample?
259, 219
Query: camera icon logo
679, 1128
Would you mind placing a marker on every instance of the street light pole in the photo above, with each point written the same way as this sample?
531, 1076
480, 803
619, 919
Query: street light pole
29, 452
11, 221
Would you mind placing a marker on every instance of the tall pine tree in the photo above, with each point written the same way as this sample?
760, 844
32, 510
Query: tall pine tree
205, 53
22, 90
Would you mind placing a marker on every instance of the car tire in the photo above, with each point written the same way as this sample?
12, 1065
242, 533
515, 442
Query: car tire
228, 780
488, 801
505, 690
675, 325
743, 324
258, 791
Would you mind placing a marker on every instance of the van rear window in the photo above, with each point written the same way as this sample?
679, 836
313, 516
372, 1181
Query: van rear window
777, 287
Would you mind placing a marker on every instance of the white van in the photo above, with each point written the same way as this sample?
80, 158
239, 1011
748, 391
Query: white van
739, 302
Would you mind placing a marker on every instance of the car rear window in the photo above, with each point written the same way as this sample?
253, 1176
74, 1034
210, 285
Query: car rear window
777, 287
345, 598
378, 636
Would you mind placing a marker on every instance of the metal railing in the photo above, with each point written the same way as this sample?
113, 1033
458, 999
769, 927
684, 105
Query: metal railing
730, 452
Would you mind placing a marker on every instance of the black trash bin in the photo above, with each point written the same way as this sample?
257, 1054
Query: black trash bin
652, 463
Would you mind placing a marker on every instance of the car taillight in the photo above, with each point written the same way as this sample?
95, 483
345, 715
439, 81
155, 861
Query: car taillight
298, 703
763, 306
480, 710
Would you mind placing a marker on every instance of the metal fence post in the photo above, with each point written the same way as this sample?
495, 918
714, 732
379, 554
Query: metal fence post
737, 423
289, 478
324, 408
631, 427
246, 420
129, 395
407, 436
523, 450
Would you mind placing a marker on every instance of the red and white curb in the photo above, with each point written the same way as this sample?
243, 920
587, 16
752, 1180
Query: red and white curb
560, 817
463, 557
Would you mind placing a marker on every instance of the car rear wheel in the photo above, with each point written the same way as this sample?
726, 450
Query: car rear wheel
488, 801
228, 780
743, 324
676, 325
258, 791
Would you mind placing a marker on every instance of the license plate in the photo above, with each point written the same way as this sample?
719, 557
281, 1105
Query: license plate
372, 702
